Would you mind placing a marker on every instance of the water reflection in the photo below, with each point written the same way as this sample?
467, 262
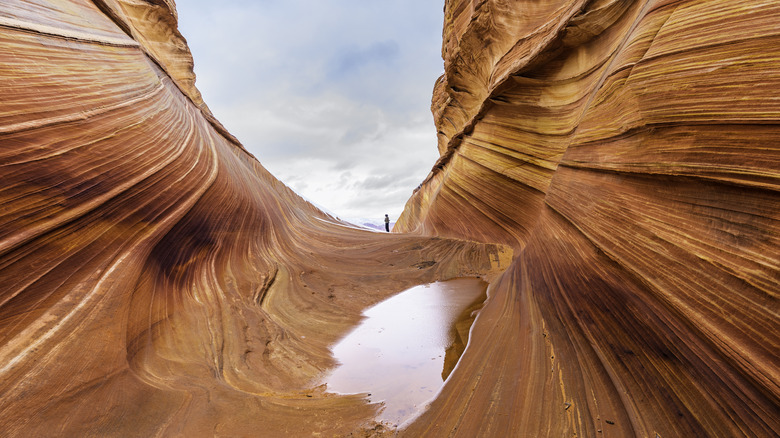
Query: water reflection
397, 354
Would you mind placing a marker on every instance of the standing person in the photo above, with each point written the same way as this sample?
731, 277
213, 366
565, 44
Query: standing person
387, 223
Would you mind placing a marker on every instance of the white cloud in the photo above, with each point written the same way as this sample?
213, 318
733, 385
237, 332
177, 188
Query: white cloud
331, 96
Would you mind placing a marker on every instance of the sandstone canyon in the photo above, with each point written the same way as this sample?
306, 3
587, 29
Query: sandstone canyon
610, 167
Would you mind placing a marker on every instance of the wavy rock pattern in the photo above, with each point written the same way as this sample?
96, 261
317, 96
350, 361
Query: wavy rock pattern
628, 151
157, 280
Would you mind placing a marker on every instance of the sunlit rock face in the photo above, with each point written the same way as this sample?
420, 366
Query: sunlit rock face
156, 280
628, 151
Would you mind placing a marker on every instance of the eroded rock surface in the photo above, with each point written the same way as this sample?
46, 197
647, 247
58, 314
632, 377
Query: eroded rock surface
628, 151
158, 281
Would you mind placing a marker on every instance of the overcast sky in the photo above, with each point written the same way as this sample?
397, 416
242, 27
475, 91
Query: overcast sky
332, 96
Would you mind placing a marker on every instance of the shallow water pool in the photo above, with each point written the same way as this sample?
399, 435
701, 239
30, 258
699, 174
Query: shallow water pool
397, 354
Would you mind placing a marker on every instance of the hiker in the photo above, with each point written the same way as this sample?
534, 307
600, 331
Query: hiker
387, 223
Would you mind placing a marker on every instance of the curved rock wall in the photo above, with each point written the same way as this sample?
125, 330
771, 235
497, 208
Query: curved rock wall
156, 279
628, 151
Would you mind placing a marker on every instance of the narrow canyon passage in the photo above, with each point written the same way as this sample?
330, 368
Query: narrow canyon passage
609, 168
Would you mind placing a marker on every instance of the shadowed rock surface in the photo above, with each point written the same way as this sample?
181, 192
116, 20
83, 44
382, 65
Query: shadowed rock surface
618, 161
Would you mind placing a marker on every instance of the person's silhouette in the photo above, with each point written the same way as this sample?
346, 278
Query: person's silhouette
387, 223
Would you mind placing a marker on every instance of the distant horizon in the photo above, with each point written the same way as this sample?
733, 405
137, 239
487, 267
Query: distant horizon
334, 102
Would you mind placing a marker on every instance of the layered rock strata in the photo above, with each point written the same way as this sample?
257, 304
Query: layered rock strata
628, 151
158, 281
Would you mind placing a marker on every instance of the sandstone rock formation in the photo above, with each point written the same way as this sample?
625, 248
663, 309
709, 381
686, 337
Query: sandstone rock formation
158, 281
628, 151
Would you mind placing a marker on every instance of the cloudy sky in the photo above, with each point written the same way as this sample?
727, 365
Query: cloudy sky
332, 96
